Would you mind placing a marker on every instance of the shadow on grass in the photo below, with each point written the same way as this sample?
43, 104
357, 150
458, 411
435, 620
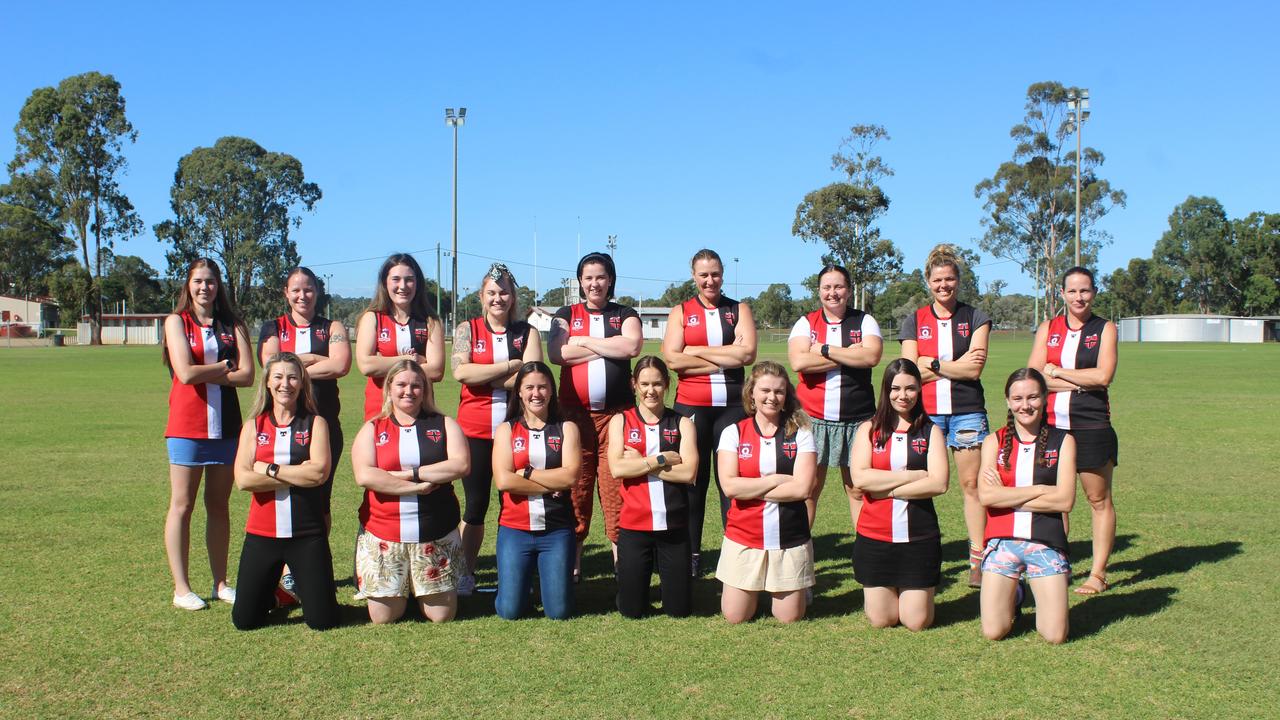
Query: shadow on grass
1096, 613
1176, 560
1081, 551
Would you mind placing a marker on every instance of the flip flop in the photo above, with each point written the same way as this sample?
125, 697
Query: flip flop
1087, 589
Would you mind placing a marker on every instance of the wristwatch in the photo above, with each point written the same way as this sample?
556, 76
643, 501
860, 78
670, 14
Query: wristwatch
273, 471
661, 460
935, 366
528, 471
826, 351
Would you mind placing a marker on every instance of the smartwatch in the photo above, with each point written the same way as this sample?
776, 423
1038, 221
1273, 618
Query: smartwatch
661, 460
528, 471
273, 471
935, 366
826, 351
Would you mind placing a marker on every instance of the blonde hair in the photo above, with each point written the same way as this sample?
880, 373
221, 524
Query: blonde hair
941, 256
262, 401
428, 394
793, 418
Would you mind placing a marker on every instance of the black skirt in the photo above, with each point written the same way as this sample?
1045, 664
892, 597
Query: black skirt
906, 566
1095, 447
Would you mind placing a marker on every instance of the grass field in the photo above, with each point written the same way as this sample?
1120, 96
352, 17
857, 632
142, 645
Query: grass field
1190, 629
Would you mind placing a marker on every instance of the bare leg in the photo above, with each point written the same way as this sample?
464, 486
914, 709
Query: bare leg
788, 607
439, 607
472, 539
736, 605
1097, 489
915, 608
184, 483
997, 599
217, 535
386, 610
881, 606
854, 495
811, 502
1051, 607
975, 516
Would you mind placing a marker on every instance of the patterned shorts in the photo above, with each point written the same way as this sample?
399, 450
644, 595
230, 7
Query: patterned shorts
833, 441
386, 569
1011, 558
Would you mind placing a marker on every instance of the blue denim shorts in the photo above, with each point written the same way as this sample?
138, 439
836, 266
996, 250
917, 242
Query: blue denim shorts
963, 430
186, 451
1012, 558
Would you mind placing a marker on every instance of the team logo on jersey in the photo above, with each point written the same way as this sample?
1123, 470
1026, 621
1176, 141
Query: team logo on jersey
926, 332
1091, 341
194, 342
1001, 458
744, 452
434, 435
553, 442
963, 329
577, 323
383, 438
728, 316
384, 335
1050, 458
615, 322
876, 448
518, 445
420, 334
789, 449
693, 321
227, 338
813, 337
919, 445
671, 435
302, 437
855, 337
264, 439
480, 345
284, 336
321, 334
1055, 340
633, 435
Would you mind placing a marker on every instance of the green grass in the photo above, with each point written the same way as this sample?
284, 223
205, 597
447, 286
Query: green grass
1188, 631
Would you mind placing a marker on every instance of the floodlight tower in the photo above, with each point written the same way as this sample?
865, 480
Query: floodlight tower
455, 120
1079, 105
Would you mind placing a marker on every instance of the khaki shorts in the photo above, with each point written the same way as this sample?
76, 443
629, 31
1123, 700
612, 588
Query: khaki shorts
769, 570
386, 569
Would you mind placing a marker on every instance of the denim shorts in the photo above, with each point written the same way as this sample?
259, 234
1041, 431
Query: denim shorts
186, 451
963, 430
1012, 558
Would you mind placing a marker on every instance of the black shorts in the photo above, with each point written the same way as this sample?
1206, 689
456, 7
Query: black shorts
907, 566
1096, 446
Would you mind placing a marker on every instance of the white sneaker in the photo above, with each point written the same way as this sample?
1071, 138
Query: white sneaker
190, 601
466, 586
227, 595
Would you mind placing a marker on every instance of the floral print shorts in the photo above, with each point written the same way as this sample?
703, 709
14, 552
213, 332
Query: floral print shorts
1012, 558
395, 569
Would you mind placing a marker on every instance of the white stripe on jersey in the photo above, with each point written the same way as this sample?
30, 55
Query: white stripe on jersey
302, 340
715, 338
1023, 475
657, 497
597, 390
410, 458
404, 339
283, 503
898, 461
831, 385
538, 461
772, 527
1062, 400
945, 352
498, 396
212, 391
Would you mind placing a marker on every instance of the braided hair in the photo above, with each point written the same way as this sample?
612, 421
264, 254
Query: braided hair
1010, 427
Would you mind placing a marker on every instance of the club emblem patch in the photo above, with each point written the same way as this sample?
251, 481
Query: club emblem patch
481, 345
518, 445
633, 435
264, 439
926, 333
1050, 458
693, 321
420, 334
670, 435
383, 438
302, 437
1091, 341
615, 322
517, 343
384, 335
855, 337
553, 442
577, 323
728, 316
789, 449
963, 329
434, 435
1055, 340
284, 336
744, 452
920, 445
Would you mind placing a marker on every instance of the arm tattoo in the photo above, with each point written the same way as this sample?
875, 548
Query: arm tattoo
461, 345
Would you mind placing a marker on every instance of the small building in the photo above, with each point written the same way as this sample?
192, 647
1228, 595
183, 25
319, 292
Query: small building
26, 316
132, 329
1199, 328
653, 320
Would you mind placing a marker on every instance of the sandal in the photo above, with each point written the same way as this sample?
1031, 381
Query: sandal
1087, 589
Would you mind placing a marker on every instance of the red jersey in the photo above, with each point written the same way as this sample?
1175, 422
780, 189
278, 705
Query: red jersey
410, 518
289, 511
602, 384
1045, 528
393, 339
481, 408
710, 327
540, 449
1076, 350
764, 524
894, 519
205, 411
649, 503
843, 394
947, 339
300, 339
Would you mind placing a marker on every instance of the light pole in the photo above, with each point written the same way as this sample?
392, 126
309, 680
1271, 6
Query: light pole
455, 121
1079, 105
736, 293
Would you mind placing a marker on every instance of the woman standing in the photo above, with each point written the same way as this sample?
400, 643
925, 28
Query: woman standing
833, 349
321, 344
947, 340
767, 464
900, 465
399, 325
283, 459
654, 450
1028, 487
536, 457
487, 353
709, 340
1077, 353
593, 342
207, 351
406, 459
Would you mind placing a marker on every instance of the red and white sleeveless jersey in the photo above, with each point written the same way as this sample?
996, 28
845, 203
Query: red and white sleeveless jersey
289, 511
540, 449
764, 524
481, 408
300, 339
894, 519
1077, 350
710, 327
650, 503
410, 518
843, 394
1045, 528
393, 339
947, 339
205, 411
602, 384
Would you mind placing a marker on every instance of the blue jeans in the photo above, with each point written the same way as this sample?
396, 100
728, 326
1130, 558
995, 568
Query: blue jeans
963, 430
518, 551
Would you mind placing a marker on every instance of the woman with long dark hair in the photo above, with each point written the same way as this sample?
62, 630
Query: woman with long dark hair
399, 325
899, 465
207, 351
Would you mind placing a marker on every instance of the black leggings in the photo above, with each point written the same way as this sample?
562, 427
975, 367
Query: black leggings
309, 561
478, 484
709, 422
335, 454
637, 553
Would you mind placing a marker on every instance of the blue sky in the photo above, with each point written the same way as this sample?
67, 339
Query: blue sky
672, 125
